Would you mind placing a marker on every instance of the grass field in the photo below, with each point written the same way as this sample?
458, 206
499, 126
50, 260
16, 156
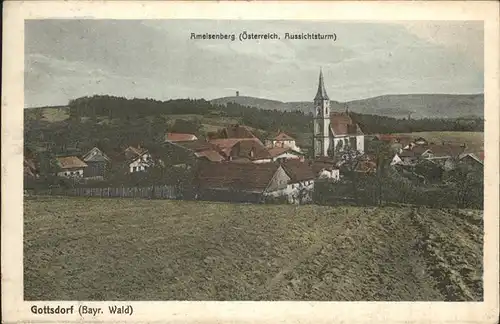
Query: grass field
127, 249
474, 140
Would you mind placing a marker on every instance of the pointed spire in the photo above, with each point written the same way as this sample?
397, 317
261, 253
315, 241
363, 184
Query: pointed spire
321, 94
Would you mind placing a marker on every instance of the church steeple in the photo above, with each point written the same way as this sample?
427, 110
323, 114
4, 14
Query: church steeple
321, 94
321, 120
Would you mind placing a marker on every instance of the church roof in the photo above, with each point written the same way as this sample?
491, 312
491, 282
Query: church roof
342, 124
321, 94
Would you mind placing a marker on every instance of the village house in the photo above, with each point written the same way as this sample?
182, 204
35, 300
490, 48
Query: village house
180, 137
97, 164
70, 167
325, 168
430, 170
285, 153
242, 150
300, 187
472, 161
282, 140
333, 132
233, 132
239, 182
138, 159
189, 151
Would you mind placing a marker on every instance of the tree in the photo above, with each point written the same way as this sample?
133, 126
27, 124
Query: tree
383, 158
350, 161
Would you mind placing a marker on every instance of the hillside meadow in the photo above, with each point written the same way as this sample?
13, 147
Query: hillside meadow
131, 249
473, 140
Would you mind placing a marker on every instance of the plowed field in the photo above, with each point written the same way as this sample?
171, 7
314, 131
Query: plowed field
127, 249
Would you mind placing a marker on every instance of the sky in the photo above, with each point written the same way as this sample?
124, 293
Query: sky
67, 59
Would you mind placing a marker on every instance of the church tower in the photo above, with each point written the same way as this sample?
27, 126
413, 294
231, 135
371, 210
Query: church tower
321, 115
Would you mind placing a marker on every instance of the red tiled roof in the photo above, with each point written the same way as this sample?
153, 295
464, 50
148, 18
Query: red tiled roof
210, 155
197, 146
180, 137
225, 144
298, 171
70, 162
254, 150
342, 124
241, 147
235, 176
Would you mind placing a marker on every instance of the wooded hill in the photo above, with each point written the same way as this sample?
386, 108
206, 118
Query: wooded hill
114, 121
397, 106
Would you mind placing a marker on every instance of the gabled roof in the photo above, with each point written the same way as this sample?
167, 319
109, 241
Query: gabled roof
196, 146
180, 137
242, 147
473, 156
210, 155
342, 124
282, 136
276, 151
321, 93
70, 162
445, 150
298, 171
254, 150
95, 155
235, 176
233, 131
133, 152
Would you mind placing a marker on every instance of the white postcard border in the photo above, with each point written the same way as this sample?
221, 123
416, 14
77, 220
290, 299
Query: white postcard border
14, 309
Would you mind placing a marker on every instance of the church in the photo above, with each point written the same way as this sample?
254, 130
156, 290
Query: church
333, 132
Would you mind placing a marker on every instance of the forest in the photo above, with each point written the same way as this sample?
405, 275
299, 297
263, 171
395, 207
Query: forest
113, 123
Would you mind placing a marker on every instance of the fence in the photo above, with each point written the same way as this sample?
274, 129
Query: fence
153, 192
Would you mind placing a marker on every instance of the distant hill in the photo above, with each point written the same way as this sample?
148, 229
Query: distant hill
397, 106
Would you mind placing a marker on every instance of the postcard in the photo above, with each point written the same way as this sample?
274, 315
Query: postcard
250, 162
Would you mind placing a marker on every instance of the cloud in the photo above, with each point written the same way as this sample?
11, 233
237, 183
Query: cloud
157, 59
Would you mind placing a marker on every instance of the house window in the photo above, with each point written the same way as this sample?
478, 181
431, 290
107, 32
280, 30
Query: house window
134, 169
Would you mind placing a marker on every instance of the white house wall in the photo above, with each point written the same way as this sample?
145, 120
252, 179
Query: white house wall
286, 155
360, 143
292, 191
71, 174
140, 164
329, 174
